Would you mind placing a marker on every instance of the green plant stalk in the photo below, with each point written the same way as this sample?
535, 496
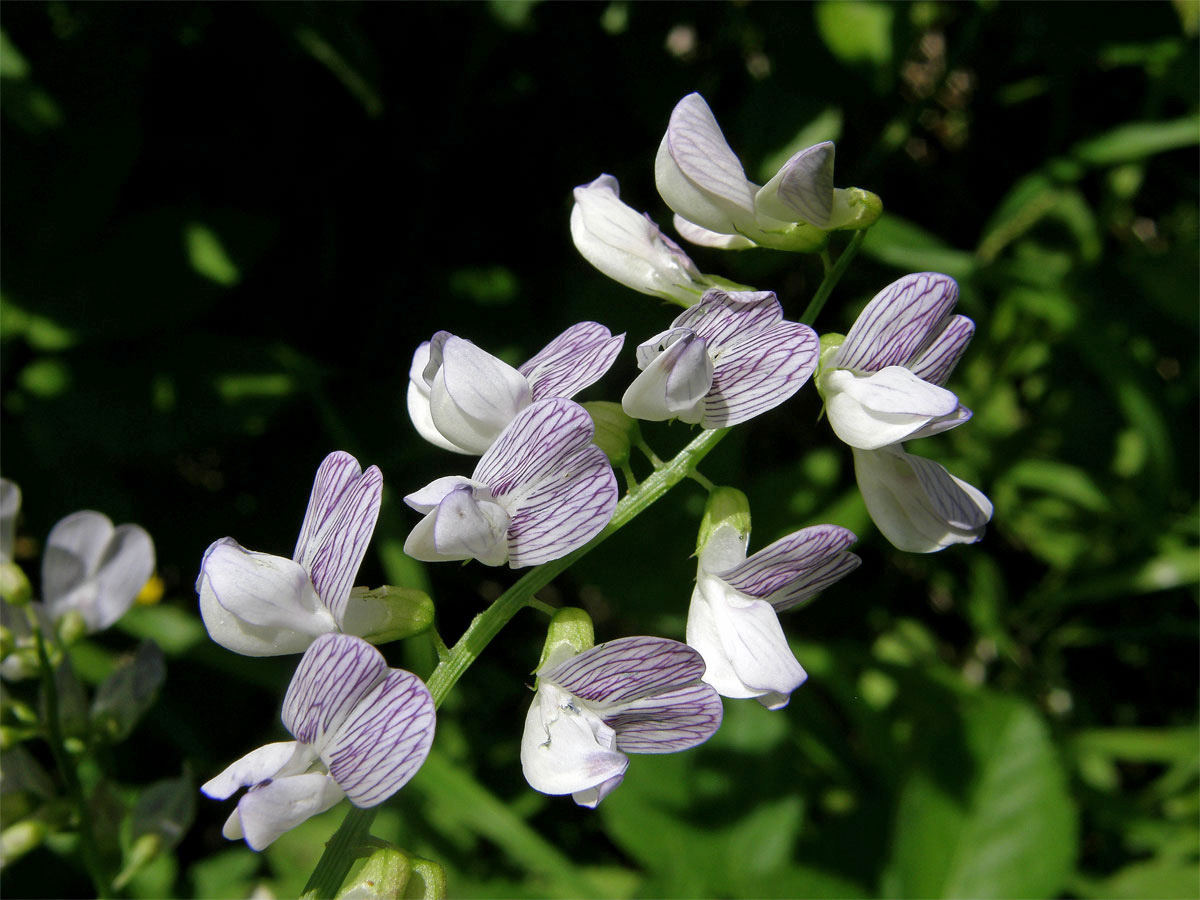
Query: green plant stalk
339, 853
53, 736
832, 277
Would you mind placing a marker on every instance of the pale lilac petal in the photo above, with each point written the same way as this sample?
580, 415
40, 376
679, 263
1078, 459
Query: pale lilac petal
567, 748
73, 551
427, 498
898, 322
472, 394
672, 383
937, 360
418, 402
916, 503
592, 796
795, 568
698, 175
667, 722
384, 740
123, 570
874, 410
267, 812
464, 527
558, 487
334, 674
627, 669
724, 316
759, 372
338, 544
943, 423
257, 604
575, 359
702, 237
336, 473
802, 190
256, 766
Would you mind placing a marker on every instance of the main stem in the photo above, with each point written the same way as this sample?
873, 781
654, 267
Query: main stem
339, 854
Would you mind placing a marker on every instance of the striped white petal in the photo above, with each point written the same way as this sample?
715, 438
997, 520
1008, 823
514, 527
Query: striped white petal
383, 741
794, 568
667, 722
723, 316
567, 748
937, 359
461, 527
575, 359
757, 372
674, 382
898, 323
916, 503
802, 189
334, 674
697, 173
702, 237
625, 670
874, 410
341, 517
255, 767
268, 811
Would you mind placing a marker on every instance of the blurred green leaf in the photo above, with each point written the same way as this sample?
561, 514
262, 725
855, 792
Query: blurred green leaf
128, 693
1141, 744
1160, 879
1137, 140
910, 247
208, 256
38, 331
1060, 479
226, 874
173, 629
827, 126
1008, 831
856, 31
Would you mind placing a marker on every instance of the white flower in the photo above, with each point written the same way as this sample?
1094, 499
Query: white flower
883, 384
733, 619
631, 695
94, 569
540, 491
916, 503
629, 247
257, 604
723, 361
10, 506
460, 397
362, 731
700, 178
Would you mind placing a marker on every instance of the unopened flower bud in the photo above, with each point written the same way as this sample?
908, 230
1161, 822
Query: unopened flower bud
616, 432
14, 586
570, 633
71, 627
387, 613
17, 840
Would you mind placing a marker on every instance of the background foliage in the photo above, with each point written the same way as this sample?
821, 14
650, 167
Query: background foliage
228, 226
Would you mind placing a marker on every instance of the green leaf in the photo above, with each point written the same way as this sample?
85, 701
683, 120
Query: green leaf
128, 693
1162, 879
1137, 140
1008, 830
857, 31
905, 245
1158, 745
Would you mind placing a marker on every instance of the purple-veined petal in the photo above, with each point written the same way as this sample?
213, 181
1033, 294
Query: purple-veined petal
472, 394
702, 237
937, 360
268, 811
338, 544
463, 527
334, 674
575, 359
722, 317
256, 766
384, 740
743, 645
427, 498
897, 323
674, 382
336, 473
626, 669
418, 402
943, 423
795, 568
667, 722
533, 446
874, 410
257, 604
567, 748
916, 503
698, 175
802, 190
759, 372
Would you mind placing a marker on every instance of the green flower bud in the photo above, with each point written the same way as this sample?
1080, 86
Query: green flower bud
141, 854
830, 344
726, 506
867, 209
14, 586
17, 840
387, 613
428, 881
384, 876
616, 432
570, 633
71, 627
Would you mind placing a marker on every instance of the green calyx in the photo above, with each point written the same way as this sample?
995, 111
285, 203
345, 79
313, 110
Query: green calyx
389, 873
616, 432
387, 613
569, 634
726, 507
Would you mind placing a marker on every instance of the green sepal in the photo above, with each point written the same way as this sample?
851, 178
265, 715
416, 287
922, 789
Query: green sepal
384, 614
616, 432
569, 634
867, 208
725, 506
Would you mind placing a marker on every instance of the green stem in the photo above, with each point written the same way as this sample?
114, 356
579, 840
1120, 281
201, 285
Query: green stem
832, 277
54, 737
339, 853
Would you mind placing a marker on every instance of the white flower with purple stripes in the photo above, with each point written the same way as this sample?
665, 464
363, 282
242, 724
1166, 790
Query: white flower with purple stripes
93, 569
540, 491
631, 695
727, 359
733, 619
629, 247
916, 503
257, 604
362, 731
883, 384
716, 205
460, 397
